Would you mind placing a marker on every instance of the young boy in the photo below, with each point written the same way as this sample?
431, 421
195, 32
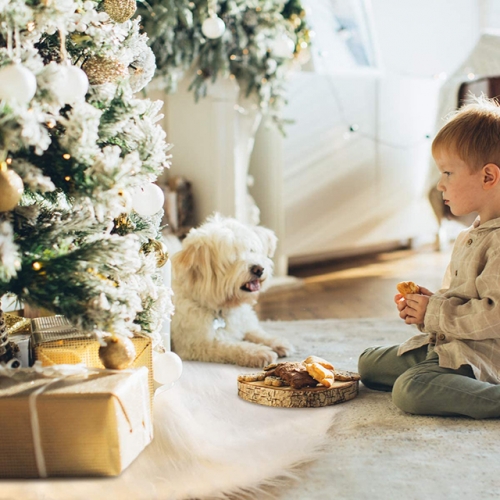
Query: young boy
453, 366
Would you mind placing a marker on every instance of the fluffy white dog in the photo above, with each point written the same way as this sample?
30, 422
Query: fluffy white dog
216, 279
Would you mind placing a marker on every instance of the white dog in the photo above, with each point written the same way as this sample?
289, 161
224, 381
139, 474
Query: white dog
217, 278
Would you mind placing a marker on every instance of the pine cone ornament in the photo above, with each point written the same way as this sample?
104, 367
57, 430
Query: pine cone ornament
120, 10
118, 353
101, 70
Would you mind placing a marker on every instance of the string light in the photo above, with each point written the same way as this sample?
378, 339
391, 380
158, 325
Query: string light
354, 128
36, 266
66, 156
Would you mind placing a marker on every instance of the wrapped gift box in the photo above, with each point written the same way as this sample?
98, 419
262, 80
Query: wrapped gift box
56, 342
92, 424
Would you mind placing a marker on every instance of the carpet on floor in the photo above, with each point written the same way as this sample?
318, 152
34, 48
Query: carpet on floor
209, 444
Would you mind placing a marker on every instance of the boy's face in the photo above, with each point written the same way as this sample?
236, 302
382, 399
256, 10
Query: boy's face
462, 188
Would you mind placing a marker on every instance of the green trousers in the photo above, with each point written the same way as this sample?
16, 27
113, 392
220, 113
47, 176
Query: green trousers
420, 386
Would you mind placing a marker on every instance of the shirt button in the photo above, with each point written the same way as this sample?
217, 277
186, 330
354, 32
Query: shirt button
442, 336
469, 242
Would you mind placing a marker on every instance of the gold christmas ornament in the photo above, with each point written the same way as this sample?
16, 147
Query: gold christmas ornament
159, 248
120, 10
118, 353
11, 188
102, 70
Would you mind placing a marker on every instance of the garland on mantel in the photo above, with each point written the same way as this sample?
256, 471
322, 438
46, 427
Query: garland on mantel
255, 42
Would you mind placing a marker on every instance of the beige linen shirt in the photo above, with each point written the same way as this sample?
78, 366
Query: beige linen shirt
463, 318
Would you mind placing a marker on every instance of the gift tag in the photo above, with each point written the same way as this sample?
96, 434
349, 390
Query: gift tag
219, 323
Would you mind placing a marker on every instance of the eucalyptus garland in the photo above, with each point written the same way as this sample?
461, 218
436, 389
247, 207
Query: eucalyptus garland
261, 41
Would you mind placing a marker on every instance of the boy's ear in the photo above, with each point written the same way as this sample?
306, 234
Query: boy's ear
491, 175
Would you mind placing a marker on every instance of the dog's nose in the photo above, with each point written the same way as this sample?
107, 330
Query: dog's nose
257, 271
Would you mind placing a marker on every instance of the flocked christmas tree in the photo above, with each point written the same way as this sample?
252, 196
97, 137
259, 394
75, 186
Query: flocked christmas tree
255, 42
79, 224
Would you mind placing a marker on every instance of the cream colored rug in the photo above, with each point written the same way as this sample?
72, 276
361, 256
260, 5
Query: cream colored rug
211, 444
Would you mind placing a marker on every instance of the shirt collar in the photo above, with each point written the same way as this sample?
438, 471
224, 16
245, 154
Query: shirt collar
491, 224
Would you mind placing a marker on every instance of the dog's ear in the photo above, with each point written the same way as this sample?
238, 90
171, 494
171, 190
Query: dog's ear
194, 261
268, 238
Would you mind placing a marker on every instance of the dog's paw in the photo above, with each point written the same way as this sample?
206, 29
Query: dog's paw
282, 348
261, 357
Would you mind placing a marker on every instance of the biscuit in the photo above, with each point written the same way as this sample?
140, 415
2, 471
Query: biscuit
321, 374
406, 287
274, 381
345, 376
320, 361
252, 377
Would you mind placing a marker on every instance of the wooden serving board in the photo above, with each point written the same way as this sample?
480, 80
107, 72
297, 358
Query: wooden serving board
287, 397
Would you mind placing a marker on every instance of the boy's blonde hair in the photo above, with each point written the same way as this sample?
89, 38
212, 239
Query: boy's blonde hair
472, 133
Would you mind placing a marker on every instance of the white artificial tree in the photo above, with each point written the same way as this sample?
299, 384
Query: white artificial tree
78, 149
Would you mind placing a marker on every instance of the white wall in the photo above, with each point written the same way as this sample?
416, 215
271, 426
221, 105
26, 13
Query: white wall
344, 195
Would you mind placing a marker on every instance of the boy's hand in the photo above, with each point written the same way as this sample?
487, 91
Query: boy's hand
412, 308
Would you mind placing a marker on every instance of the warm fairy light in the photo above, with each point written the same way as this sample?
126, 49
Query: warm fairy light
264, 80
245, 51
30, 26
51, 124
8, 161
233, 57
37, 266
199, 72
471, 76
67, 178
66, 156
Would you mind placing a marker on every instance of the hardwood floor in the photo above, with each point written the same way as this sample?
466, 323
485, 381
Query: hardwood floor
353, 288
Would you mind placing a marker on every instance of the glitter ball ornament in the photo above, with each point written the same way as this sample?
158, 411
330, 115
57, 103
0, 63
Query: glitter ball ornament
118, 353
17, 82
213, 27
11, 188
120, 10
102, 70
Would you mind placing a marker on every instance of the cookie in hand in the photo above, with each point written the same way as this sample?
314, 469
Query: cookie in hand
407, 287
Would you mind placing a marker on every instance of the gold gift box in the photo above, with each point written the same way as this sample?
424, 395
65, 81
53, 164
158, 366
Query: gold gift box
93, 426
57, 342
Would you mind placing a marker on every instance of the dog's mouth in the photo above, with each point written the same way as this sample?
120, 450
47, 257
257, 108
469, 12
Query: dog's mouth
251, 286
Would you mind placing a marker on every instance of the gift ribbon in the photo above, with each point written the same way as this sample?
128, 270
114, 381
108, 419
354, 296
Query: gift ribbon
55, 374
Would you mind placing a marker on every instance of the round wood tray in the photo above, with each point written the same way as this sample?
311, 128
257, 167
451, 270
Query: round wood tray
287, 397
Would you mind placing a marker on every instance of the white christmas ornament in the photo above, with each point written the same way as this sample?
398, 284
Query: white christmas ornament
167, 368
213, 27
17, 82
72, 84
283, 47
148, 200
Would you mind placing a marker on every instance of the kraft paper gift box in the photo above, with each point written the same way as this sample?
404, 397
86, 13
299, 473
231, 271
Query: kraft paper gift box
83, 424
56, 342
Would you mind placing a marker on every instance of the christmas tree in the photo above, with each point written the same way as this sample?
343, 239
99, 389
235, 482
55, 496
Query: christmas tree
79, 152
255, 42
